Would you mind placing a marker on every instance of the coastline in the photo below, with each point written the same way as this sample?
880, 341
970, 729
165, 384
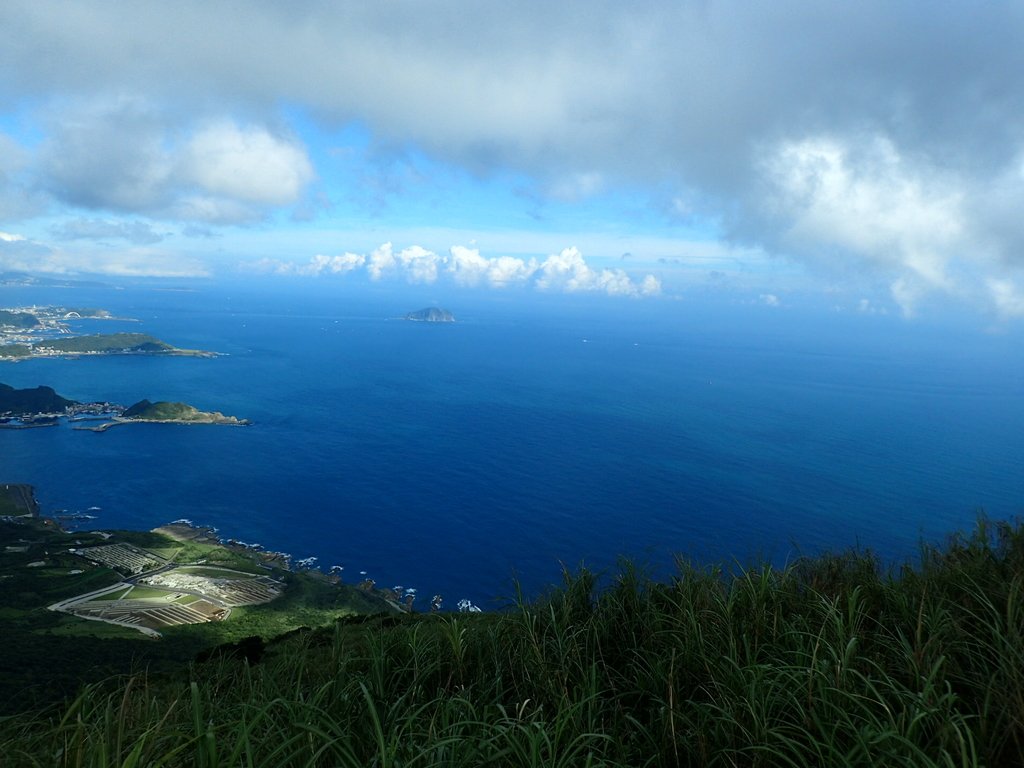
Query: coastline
201, 353
117, 422
176, 574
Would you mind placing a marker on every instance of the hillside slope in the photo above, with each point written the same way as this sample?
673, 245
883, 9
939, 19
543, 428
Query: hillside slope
827, 662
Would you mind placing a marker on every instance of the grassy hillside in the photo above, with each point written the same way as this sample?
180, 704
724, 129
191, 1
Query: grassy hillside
828, 662
160, 411
47, 655
17, 499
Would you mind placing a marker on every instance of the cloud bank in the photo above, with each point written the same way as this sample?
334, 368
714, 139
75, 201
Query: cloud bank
876, 139
129, 156
21, 254
563, 272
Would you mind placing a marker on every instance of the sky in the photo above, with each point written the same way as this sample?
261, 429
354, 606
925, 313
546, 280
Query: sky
868, 156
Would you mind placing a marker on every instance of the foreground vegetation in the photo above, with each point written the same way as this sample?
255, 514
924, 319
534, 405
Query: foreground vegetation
830, 661
45, 655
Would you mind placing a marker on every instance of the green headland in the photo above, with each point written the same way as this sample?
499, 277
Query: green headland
78, 606
144, 410
31, 401
46, 332
42, 406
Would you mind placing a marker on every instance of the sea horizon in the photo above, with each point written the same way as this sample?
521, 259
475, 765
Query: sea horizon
529, 435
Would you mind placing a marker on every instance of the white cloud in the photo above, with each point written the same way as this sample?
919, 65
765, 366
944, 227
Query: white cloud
507, 270
1008, 297
19, 199
133, 262
679, 111
468, 267
868, 307
246, 164
566, 271
208, 209
346, 262
381, 262
419, 264
137, 232
128, 155
861, 201
907, 294
20, 254
318, 265
416, 264
769, 300
576, 186
650, 286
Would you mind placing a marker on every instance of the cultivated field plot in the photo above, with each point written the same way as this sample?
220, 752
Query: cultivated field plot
222, 584
123, 557
149, 608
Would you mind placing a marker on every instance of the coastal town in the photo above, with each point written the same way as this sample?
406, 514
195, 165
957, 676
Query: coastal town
43, 407
25, 325
46, 331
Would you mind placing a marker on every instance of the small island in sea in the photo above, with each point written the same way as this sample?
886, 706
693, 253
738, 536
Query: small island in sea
43, 407
431, 315
168, 413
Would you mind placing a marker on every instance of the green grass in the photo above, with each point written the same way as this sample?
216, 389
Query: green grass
832, 661
167, 553
214, 573
143, 593
77, 628
15, 499
116, 595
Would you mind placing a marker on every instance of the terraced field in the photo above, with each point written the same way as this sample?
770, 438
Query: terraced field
123, 557
150, 612
169, 595
232, 588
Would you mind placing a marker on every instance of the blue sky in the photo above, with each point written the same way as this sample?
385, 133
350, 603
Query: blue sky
865, 157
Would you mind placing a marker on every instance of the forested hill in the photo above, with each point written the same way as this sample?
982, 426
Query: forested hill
38, 400
162, 410
19, 320
112, 342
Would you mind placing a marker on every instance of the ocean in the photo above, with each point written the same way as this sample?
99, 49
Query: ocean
536, 432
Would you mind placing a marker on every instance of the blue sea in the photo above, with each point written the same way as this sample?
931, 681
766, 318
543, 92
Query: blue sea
534, 432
